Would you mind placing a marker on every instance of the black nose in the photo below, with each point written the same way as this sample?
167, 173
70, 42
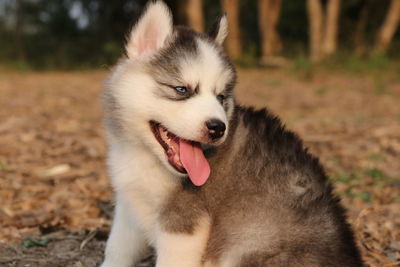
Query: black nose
216, 128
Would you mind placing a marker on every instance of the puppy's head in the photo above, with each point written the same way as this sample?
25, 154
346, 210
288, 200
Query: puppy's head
173, 91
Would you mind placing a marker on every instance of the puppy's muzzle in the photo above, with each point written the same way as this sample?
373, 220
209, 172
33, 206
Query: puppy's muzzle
216, 129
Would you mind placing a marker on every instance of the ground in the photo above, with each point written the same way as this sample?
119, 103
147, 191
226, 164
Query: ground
55, 195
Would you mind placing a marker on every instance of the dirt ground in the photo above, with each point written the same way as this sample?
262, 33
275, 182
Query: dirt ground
54, 192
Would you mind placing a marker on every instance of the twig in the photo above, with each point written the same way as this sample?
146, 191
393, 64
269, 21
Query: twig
89, 237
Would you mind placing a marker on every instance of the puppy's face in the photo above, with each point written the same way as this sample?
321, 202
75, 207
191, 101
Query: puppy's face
174, 91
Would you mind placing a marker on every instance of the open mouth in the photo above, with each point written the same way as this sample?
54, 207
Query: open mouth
183, 155
170, 143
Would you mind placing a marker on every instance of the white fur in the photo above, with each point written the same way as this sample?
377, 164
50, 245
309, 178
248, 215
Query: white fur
222, 30
141, 185
127, 243
177, 249
141, 175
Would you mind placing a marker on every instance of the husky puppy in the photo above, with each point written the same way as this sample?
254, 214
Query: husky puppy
200, 179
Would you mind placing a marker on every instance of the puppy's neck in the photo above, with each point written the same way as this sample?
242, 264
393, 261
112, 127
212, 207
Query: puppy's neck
141, 167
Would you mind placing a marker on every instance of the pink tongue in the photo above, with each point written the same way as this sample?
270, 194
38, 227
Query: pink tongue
195, 163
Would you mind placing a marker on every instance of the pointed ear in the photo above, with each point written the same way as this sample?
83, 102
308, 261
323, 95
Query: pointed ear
219, 30
151, 31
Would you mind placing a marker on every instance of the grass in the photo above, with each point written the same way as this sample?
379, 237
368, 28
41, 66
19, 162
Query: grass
380, 85
28, 242
380, 66
376, 174
362, 182
321, 91
365, 196
376, 157
303, 67
358, 174
274, 82
345, 177
3, 165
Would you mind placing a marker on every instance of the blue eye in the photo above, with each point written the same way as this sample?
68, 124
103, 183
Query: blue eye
181, 89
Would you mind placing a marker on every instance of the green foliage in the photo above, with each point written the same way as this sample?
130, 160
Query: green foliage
376, 157
54, 39
301, 63
379, 66
77, 34
365, 196
28, 242
321, 91
345, 177
374, 173
355, 183
303, 67
3, 165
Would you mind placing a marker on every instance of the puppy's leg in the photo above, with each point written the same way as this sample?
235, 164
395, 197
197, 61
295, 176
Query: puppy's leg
176, 249
126, 244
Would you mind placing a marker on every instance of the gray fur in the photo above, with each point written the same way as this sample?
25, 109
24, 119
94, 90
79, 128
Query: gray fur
165, 67
267, 196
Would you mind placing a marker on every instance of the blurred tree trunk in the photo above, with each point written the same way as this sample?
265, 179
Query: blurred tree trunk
233, 43
331, 27
315, 17
388, 28
179, 10
194, 11
268, 17
18, 29
323, 28
359, 35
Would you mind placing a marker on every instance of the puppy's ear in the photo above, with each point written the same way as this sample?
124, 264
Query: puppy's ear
151, 32
219, 30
